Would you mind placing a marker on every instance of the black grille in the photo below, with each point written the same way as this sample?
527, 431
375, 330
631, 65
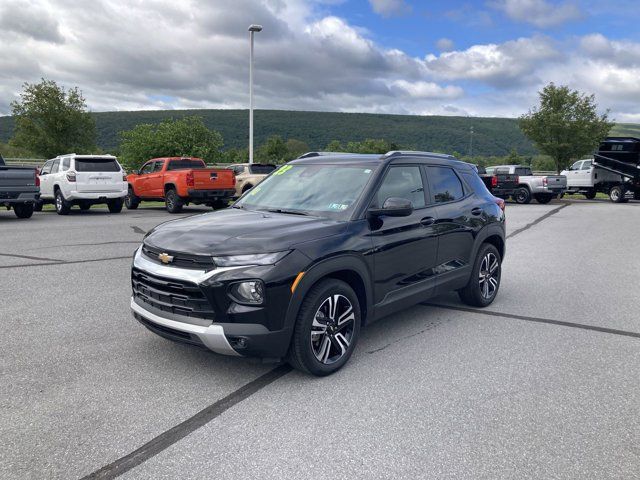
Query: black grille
169, 333
182, 260
173, 296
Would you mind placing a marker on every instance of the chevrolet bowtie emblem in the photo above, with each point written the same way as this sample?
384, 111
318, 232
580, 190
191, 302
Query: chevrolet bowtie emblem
165, 258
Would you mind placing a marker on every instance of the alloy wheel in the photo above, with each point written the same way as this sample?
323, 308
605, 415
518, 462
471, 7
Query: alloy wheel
332, 329
489, 275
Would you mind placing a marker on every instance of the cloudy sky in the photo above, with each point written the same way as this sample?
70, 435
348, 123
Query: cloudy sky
481, 57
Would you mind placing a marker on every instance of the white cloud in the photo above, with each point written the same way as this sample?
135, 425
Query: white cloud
421, 89
390, 8
507, 64
541, 13
445, 45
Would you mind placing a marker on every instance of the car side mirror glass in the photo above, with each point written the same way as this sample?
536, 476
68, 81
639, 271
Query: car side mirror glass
393, 207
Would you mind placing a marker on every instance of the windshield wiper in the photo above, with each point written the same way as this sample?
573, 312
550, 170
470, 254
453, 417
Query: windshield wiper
284, 210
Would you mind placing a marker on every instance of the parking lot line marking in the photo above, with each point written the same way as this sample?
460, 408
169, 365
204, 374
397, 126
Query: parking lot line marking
28, 257
560, 323
66, 262
177, 433
538, 220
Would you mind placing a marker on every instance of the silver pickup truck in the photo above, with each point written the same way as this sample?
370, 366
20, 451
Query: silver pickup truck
19, 189
543, 188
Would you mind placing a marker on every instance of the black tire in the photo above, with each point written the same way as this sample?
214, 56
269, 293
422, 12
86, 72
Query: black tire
543, 198
84, 206
246, 188
37, 207
327, 354
173, 202
616, 194
131, 200
219, 204
474, 293
590, 194
522, 195
115, 205
23, 210
62, 206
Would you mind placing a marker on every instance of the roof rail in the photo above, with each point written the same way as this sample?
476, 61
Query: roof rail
320, 154
416, 153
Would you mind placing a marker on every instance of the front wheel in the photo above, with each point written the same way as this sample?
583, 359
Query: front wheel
484, 283
327, 328
173, 202
522, 195
131, 201
219, 204
23, 210
590, 194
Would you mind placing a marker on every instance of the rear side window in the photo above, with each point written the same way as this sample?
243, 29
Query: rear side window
54, 167
261, 169
157, 166
97, 165
444, 184
184, 164
476, 183
65, 164
523, 172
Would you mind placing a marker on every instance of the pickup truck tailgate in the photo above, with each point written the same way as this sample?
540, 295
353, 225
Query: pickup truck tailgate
506, 181
17, 177
556, 182
213, 179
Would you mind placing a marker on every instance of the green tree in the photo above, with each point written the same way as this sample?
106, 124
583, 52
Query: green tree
371, 145
50, 120
274, 150
334, 146
295, 148
234, 155
185, 137
565, 125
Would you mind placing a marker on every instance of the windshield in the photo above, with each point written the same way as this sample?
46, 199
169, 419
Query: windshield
323, 190
185, 164
96, 165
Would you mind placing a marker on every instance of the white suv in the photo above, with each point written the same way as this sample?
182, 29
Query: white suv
82, 180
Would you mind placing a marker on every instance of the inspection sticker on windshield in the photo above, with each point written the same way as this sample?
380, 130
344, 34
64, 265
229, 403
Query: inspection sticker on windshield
283, 169
338, 206
368, 170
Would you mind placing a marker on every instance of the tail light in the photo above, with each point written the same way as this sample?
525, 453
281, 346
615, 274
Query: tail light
499, 202
37, 179
71, 176
124, 177
545, 181
190, 180
494, 181
234, 179
517, 179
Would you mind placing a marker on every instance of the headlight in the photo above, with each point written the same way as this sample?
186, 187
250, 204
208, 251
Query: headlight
251, 291
253, 259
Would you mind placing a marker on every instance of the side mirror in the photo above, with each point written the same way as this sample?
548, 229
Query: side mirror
393, 207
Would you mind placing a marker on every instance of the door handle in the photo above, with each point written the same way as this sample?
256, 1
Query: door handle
476, 211
426, 221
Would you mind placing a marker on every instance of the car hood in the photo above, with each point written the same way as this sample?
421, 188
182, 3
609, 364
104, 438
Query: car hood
235, 232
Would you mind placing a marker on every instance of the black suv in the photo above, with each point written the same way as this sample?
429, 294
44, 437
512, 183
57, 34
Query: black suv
323, 246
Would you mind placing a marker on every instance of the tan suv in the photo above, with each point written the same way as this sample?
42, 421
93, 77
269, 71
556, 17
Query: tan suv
248, 175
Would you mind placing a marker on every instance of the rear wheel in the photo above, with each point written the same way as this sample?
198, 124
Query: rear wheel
62, 206
131, 200
218, 204
616, 194
485, 278
23, 210
522, 195
590, 194
173, 202
543, 197
115, 205
327, 328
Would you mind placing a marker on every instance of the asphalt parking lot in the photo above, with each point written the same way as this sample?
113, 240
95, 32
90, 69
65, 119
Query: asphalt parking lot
543, 384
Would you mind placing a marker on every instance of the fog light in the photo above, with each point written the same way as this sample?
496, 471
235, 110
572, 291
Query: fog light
251, 291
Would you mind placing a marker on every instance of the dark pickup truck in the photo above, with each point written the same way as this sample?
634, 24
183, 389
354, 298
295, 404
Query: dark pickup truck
19, 188
500, 184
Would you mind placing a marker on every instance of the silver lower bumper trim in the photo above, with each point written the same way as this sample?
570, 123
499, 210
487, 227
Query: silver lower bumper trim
212, 336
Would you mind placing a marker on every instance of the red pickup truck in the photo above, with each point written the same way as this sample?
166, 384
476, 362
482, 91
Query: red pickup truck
180, 181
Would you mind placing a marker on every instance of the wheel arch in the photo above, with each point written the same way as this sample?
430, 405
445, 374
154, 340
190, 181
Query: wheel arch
170, 186
350, 269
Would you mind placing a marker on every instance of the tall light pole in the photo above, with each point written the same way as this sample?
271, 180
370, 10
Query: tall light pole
471, 142
252, 30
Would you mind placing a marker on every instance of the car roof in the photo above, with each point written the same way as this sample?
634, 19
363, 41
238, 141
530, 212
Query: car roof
395, 156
